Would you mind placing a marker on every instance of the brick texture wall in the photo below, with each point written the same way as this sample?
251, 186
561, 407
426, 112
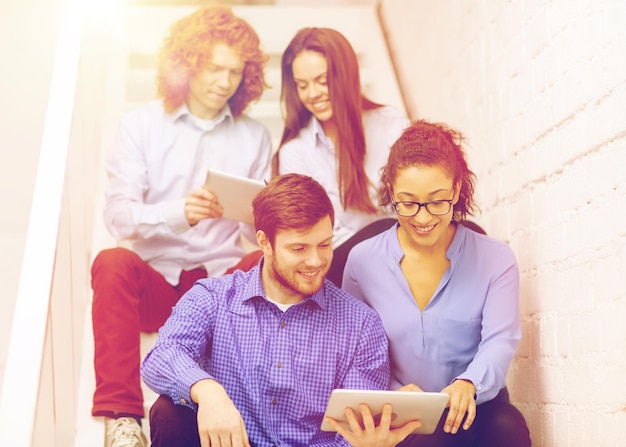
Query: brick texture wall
539, 89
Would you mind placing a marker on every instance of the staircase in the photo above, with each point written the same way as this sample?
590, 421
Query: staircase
125, 54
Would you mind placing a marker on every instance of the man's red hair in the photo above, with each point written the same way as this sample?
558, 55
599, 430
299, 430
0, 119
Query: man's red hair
188, 49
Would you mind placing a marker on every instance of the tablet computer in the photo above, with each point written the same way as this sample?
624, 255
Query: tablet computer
234, 193
405, 406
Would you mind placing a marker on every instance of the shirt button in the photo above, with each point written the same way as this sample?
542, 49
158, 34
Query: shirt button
183, 401
274, 402
279, 364
478, 388
282, 324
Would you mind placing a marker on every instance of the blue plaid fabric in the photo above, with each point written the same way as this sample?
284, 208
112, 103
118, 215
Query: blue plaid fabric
279, 368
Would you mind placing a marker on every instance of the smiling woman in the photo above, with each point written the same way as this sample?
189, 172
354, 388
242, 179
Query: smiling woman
453, 323
310, 73
335, 134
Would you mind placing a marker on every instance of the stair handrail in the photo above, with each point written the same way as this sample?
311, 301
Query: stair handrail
20, 387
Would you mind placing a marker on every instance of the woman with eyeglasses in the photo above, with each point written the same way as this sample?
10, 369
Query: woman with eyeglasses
335, 134
448, 296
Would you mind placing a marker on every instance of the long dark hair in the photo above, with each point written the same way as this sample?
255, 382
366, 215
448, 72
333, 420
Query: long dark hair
348, 104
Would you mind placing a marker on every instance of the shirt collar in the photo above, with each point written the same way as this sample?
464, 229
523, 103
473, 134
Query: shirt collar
457, 241
254, 289
392, 237
451, 253
313, 132
183, 113
179, 112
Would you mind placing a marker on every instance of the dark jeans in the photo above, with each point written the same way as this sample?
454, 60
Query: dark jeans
497, 424
340, 254
173, 425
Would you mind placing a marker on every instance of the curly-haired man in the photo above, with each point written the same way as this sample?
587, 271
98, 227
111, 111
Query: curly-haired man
209, 69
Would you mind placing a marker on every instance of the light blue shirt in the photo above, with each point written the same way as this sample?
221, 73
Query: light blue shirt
278, 368
469, 330
312, 153
156, 160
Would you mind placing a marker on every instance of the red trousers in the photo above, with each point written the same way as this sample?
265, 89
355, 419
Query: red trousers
130, 297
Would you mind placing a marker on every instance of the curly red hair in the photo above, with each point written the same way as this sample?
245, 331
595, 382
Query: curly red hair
431, 144
188, 49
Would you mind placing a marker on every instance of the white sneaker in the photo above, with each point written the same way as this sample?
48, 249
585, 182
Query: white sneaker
123, 432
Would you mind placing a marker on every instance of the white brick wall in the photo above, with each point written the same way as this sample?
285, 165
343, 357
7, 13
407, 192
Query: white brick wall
539, 89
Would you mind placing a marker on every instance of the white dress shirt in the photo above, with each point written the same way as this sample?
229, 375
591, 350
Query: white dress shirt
156, 160
312, 153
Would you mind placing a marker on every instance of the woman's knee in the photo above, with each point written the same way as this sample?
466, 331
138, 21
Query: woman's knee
503, 424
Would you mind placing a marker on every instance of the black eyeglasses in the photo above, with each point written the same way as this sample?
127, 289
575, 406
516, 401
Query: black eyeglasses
408, 209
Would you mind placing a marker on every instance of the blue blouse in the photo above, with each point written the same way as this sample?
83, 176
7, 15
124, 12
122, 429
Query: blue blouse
470, 329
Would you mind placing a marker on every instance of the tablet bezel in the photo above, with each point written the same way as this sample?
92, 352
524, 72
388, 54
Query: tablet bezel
234, 193
406, 406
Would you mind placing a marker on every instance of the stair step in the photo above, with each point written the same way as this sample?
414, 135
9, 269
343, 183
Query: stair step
148, 25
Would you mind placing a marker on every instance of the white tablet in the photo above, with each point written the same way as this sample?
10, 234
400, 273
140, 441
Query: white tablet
234, 193
405, 406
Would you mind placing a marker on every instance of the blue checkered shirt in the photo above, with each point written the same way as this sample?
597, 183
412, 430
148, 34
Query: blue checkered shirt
278, 368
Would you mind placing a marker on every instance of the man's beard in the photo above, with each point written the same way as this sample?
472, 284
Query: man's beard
289, 281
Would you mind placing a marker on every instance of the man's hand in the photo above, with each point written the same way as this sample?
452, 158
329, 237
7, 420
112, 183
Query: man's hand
370, 435
411, 387
201, 204
461, 402
219, 422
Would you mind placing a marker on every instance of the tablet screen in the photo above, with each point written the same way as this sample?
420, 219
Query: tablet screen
406, 406
234, 193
